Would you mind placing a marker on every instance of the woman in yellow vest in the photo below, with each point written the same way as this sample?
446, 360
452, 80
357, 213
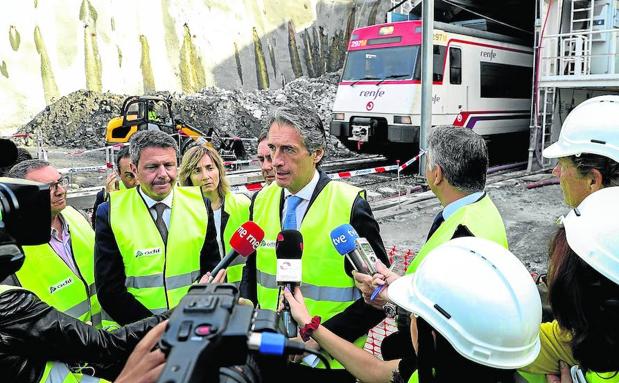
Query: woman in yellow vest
203, 166
476, 315
584, 294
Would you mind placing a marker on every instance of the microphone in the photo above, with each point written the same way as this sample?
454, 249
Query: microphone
357, 250
244, 241
289, 249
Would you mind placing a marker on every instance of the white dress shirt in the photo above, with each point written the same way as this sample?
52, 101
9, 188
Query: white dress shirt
305, 194
167, 213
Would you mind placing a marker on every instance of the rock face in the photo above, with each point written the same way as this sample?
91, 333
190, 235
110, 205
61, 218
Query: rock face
79, 119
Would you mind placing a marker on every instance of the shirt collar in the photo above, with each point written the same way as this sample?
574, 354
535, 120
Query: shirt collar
151, 202
308, 190
450, 209
63, 228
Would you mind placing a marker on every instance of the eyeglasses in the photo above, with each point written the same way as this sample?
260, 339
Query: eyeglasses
63, 181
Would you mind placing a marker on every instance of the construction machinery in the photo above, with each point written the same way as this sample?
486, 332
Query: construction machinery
155, 113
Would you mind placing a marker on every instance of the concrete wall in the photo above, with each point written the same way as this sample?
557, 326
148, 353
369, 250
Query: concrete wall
52, 48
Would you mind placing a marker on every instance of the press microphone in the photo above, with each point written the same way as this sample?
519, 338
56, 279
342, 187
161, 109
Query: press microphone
289, 249
357, 250
244, 241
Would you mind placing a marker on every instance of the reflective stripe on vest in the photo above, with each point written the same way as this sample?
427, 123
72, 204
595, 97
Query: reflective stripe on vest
47, 275
483, 220
237, 207
159, 275
56, 372
328, 293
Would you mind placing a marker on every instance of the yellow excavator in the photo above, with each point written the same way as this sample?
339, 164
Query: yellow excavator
155, 113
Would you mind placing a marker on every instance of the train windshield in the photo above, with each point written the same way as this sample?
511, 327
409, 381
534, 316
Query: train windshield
381, 64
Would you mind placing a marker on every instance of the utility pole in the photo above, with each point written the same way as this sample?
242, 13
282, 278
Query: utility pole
427, 68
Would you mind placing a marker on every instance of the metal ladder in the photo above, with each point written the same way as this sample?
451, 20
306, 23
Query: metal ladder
547, 108
576, 50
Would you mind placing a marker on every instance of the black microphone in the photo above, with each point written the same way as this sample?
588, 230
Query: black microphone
289, 249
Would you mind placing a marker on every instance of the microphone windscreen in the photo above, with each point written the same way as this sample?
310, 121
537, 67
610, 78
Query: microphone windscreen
343, 238
247, 238
289, 245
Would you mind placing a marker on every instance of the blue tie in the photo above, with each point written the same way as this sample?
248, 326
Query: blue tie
290, 220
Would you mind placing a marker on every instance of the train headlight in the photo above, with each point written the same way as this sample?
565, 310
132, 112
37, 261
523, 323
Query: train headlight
338, 116
402, 120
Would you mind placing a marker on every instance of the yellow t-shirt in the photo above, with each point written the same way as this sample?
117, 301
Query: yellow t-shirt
555, 343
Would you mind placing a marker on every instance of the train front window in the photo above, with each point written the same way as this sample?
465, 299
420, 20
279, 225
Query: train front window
381, 64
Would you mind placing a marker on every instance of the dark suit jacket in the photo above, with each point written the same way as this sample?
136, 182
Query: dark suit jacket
99, 199
359, 317
110, 269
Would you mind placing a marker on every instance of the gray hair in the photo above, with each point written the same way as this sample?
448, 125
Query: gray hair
22, 169
462, 155
150, 139
263, 135
306, 121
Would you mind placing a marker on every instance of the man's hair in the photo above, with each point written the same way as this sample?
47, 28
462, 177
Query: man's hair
192, 157
23, 168
306, 121
263, 135
150, 139
608, 168
122, 153
462, 155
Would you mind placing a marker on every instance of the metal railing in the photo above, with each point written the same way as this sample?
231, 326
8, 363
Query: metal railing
582, 53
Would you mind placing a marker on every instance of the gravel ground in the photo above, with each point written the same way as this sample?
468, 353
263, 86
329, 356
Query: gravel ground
530, 218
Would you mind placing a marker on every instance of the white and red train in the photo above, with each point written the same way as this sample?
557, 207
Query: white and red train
481, 81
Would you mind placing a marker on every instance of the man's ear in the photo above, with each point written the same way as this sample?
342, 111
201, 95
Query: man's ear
438, 175
318, 154
134, 169
596, 180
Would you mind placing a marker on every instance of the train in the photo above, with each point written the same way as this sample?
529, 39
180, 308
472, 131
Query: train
481, 81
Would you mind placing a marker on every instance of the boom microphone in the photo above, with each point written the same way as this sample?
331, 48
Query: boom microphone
244, 241
357, 250
289, 250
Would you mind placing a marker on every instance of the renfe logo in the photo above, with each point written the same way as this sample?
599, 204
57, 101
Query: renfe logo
488, 54
373, 94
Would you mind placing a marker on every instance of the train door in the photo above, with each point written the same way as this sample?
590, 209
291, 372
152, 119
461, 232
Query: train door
456, 98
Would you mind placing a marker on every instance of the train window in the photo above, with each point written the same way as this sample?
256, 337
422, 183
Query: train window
455, 65
439, 61
504, 81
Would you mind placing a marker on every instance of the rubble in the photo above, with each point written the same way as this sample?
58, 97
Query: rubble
78, 120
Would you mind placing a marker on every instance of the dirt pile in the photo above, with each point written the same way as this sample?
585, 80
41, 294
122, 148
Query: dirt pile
78, 120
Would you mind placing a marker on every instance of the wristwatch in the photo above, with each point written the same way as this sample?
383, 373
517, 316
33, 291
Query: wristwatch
390, 309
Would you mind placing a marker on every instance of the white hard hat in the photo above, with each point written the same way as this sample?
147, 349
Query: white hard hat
592, 127
480, 298
592, 231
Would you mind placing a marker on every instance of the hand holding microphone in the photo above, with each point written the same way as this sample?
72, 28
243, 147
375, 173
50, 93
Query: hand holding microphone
244, 241
289, 250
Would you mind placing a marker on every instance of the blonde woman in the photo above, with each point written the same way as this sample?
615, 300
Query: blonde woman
204, 167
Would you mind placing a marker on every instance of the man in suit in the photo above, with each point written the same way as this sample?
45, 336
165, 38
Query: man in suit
304, 198
153, 241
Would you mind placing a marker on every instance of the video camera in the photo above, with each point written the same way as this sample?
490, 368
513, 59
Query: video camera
25, 219
212, 338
